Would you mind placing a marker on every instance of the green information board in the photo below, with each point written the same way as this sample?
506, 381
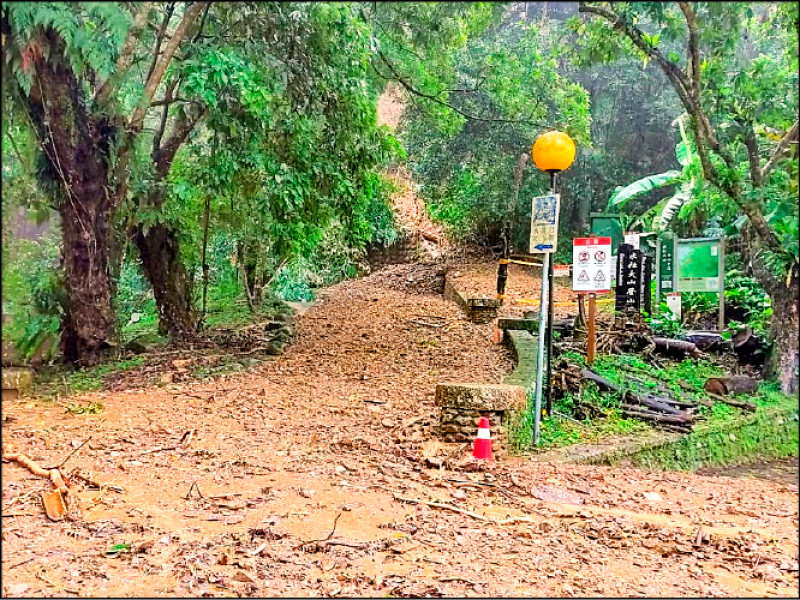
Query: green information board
691, 265
699, 265
607, 225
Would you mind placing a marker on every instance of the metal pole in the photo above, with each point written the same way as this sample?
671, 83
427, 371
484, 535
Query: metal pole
591, 341
551, 288
543, 304
721, 289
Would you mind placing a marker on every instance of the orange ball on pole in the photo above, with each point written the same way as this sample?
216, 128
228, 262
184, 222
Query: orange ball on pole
553, 151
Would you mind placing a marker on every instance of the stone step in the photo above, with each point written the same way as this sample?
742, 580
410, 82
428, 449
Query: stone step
524, 347
488, 397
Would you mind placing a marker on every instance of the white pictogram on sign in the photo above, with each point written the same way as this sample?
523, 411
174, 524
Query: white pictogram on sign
583, 276
599, 256
599, 277
583, 257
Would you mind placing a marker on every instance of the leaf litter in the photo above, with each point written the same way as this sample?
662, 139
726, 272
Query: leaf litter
318, 472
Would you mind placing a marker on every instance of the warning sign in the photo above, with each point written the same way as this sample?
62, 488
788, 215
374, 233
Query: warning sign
560, 270
591, 259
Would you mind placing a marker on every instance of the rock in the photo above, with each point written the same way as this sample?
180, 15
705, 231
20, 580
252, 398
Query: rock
135, 347
387, 423
17, 589
167, 377
17, 379
282, 335
652, 496
243, 577
275, 348
307, 492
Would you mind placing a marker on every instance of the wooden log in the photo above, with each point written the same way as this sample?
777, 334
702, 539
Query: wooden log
653, 416
705, 339
748, 406
678, 348
736, 384
604, 384
667, 396
652, 402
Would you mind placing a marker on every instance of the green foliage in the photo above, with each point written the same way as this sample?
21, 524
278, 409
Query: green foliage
623, 194
509, 73
666, 324
748, 90
745, 295
33, 295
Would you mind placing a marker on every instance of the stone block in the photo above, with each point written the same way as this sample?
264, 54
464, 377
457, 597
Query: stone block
481, 397
20, 380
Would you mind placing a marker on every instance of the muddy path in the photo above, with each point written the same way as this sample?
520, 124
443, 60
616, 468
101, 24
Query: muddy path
307, 476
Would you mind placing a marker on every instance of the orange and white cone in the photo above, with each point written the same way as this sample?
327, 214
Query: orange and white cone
497, 337
482, 449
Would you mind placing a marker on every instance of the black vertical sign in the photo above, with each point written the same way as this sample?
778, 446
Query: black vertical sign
634, 271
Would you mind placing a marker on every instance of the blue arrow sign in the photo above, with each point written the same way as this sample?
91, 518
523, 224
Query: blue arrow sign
544, 246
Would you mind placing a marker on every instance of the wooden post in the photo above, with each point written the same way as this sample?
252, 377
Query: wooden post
502, 276
591, 341
580, 322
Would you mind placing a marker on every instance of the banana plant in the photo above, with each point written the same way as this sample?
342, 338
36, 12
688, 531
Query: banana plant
663, 212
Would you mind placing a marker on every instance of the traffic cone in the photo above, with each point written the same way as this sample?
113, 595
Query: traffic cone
497, 338
482, 449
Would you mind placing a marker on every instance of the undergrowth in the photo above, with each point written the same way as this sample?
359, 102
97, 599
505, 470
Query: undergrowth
569, 425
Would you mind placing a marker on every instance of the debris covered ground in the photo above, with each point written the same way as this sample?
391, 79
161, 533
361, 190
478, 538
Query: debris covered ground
476, 277
317, 474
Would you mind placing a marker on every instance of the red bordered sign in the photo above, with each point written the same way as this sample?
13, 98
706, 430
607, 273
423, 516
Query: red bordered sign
591, 265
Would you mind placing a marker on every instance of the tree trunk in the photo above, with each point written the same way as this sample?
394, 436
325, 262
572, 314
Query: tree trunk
76, 146
785, 359
161, 258
88, 324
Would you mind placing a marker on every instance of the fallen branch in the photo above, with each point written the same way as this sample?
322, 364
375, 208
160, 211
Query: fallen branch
323, 540
736, 384
71, 454
748, 406
53, 475
443, 506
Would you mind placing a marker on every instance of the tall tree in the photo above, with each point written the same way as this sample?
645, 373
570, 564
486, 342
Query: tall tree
65, 64
736, 77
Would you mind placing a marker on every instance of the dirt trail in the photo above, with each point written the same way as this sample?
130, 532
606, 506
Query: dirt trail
331, 432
